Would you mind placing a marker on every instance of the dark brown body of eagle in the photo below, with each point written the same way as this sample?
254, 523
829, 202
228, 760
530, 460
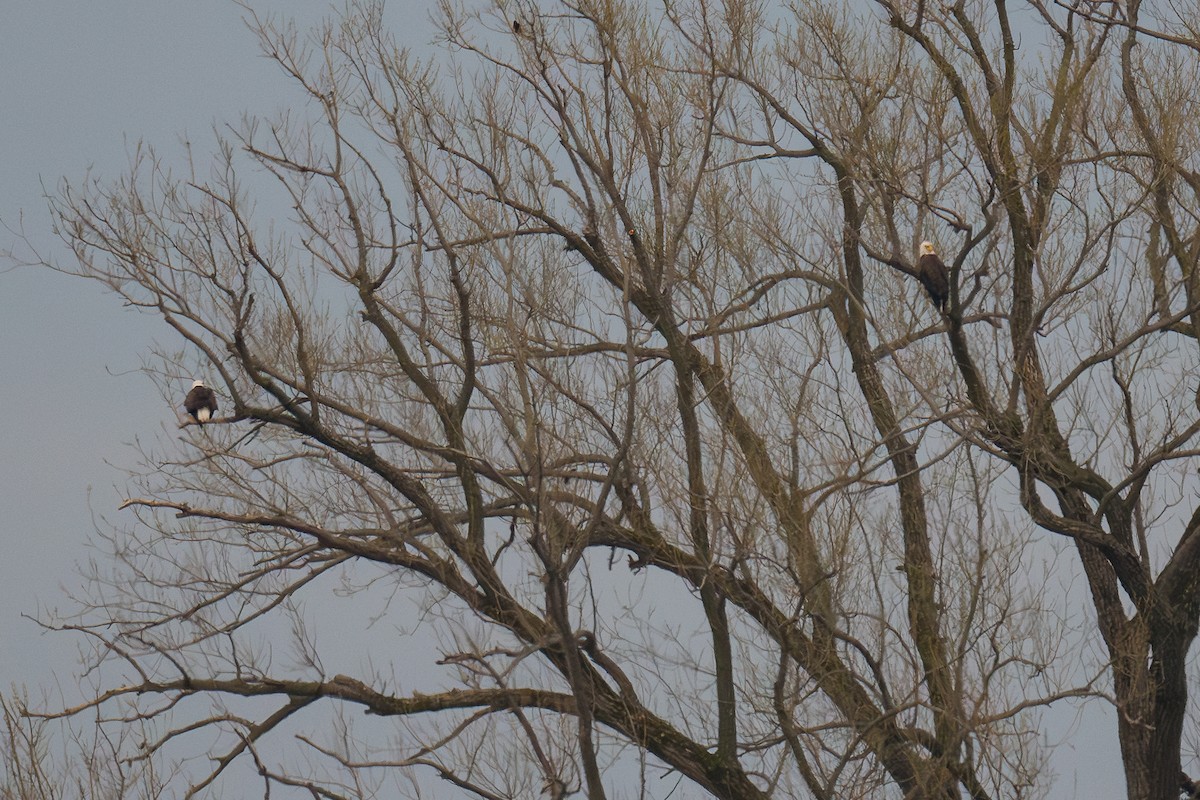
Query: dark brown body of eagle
201, 402
933, 275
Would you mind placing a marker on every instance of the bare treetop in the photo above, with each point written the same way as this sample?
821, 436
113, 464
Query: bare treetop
596, 364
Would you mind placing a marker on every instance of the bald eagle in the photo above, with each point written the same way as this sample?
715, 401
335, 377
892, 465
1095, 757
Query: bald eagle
201, 402
932, 274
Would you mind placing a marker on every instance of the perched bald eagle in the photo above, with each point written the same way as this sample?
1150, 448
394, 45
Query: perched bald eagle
201, 402
932, 274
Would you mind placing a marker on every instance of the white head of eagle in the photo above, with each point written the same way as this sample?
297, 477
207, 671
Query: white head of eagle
201, 402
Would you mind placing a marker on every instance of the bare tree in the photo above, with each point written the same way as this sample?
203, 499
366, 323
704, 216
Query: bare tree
590, 366
44, 761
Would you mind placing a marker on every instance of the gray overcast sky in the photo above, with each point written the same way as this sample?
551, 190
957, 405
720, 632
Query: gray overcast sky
82, 83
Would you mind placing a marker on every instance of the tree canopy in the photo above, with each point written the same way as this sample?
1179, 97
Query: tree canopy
583, 423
